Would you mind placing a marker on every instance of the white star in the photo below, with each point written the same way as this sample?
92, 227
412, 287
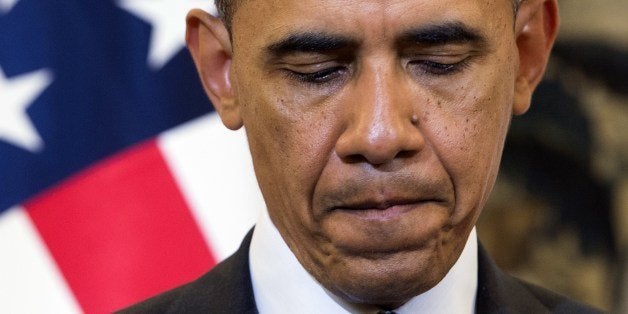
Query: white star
168, 20
16, 95
7, 5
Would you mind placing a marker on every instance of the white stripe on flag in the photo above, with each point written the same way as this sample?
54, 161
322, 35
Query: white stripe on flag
213, 168
31, 282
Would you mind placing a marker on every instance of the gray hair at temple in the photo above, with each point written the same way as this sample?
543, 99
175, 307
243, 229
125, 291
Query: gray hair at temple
226, 9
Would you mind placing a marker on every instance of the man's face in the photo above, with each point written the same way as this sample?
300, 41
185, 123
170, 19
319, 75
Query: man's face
376, 130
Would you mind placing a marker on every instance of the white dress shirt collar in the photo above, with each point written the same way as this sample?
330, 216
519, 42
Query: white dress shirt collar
282, 285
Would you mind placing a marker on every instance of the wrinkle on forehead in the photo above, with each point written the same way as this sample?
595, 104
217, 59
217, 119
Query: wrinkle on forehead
227, 8
373, 17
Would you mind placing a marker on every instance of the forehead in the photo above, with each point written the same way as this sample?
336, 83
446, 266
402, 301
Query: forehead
265, 20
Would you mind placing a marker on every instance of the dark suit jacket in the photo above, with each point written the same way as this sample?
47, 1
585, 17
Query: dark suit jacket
227, 289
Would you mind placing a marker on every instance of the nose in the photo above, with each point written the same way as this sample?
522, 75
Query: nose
381, 124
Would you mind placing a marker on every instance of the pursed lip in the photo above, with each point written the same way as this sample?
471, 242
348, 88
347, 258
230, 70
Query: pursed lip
382, 210
378, 205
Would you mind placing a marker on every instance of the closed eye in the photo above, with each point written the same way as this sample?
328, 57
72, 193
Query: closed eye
431, 67
318, 77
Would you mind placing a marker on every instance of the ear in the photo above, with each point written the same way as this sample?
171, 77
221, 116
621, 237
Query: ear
210, 45
536, 27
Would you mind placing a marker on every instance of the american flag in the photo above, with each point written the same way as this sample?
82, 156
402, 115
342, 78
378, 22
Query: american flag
117, 180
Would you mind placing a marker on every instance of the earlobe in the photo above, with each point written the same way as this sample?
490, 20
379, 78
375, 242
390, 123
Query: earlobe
536, 27
210, 46
523, 96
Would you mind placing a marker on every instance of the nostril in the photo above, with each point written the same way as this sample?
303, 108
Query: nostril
354, 159
404, 154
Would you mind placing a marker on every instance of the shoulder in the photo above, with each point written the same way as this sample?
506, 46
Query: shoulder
225, 289
499, 292
557, 303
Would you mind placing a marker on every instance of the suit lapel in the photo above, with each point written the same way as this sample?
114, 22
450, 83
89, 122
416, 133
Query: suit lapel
501, 293
226, 289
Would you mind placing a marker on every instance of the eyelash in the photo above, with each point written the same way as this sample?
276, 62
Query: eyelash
318, 77
436, 68
427, 67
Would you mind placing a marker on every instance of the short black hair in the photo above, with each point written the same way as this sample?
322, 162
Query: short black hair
226, 9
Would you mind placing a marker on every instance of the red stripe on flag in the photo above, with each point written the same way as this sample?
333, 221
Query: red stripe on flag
121, 231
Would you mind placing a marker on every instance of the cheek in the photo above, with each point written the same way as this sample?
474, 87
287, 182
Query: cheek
468, 140
290, 146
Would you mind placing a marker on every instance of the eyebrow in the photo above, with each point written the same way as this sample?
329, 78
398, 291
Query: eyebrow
442, 34
319, 42
310, 42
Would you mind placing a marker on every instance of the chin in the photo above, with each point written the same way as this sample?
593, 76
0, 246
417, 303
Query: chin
387, 281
